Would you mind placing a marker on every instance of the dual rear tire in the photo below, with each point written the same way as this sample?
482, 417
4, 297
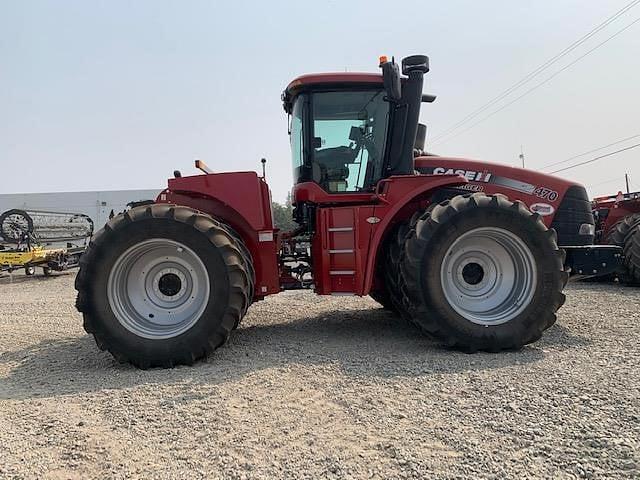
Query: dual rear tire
478, 272
162, 285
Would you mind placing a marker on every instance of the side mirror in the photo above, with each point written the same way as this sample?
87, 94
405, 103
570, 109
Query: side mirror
391, 80
355, 134
421, 137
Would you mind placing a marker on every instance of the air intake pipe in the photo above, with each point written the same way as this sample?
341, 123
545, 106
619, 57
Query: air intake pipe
406, 110
415, 68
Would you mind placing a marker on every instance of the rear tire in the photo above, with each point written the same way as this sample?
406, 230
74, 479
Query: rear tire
482, 273
632, 257
392, 275
162, 285
389, 295
247, 265
382, 297
626, 234
390, 268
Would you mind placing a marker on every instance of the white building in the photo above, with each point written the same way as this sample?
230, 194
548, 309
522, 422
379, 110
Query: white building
97, 205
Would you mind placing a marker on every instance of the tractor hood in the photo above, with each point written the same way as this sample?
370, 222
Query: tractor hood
562, 204
480, 173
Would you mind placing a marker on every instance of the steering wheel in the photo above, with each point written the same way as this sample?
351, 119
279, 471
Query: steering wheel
361, 140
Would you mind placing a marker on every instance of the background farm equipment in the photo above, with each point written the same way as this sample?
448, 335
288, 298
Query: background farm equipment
53, 241
617, 220
44, 227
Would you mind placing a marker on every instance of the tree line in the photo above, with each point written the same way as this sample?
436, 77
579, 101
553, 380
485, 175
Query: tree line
283, 215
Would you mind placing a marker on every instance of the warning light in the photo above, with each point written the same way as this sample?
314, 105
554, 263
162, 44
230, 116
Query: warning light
383, 59
200, 165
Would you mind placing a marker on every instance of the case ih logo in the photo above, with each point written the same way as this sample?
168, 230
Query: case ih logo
471, 175
542, 209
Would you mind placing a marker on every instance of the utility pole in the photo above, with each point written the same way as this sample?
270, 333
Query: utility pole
521, 156
626, 180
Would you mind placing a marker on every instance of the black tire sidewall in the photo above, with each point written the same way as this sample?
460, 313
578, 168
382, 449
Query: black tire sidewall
632, 255
391, 266
547, 265
205, 328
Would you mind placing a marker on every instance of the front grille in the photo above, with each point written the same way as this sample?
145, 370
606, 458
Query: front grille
574, 210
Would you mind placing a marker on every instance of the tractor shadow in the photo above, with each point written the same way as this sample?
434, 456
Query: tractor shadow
19, 277
599, 287
370, 343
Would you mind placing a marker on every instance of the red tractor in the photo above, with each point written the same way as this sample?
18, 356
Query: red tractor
617, 220
467, 251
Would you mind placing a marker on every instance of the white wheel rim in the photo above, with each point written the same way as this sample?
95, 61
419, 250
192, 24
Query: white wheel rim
488, 276
158, 288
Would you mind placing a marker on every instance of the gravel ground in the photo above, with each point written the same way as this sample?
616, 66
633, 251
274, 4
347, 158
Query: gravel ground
313, 387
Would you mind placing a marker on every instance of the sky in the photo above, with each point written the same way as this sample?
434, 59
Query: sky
111, 95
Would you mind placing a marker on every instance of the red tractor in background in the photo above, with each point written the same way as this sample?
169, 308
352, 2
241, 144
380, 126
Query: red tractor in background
468, 251
617, 220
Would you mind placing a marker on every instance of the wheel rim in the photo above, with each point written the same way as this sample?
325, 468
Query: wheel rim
14, 226
158, 288
488, 276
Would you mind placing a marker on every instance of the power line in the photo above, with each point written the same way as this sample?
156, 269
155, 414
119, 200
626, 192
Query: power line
590, 151
541, 83
597, 158
540, 69
617, 179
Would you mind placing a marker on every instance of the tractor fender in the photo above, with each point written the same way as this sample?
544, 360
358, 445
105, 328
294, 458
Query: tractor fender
264, 258
400, 192
214, 207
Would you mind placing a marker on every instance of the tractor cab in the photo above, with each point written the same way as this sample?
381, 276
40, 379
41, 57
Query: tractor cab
346, 138
350, 130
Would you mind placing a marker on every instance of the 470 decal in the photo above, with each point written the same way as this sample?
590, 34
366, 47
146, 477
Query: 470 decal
546, 193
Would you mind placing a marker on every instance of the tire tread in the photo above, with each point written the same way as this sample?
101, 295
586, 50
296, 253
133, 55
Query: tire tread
235, 257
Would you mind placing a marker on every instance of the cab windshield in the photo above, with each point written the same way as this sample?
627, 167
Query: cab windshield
345, 133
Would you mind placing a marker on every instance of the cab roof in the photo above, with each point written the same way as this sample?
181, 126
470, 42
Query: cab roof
332, 78
338, 79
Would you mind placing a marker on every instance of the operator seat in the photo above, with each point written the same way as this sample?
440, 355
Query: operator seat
330, 170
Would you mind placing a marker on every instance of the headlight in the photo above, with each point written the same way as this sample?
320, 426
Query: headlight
587, 229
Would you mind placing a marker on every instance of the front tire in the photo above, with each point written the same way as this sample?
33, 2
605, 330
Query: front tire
626, 234
162, 285
382, 297
632, 257
482, 273
390, 271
